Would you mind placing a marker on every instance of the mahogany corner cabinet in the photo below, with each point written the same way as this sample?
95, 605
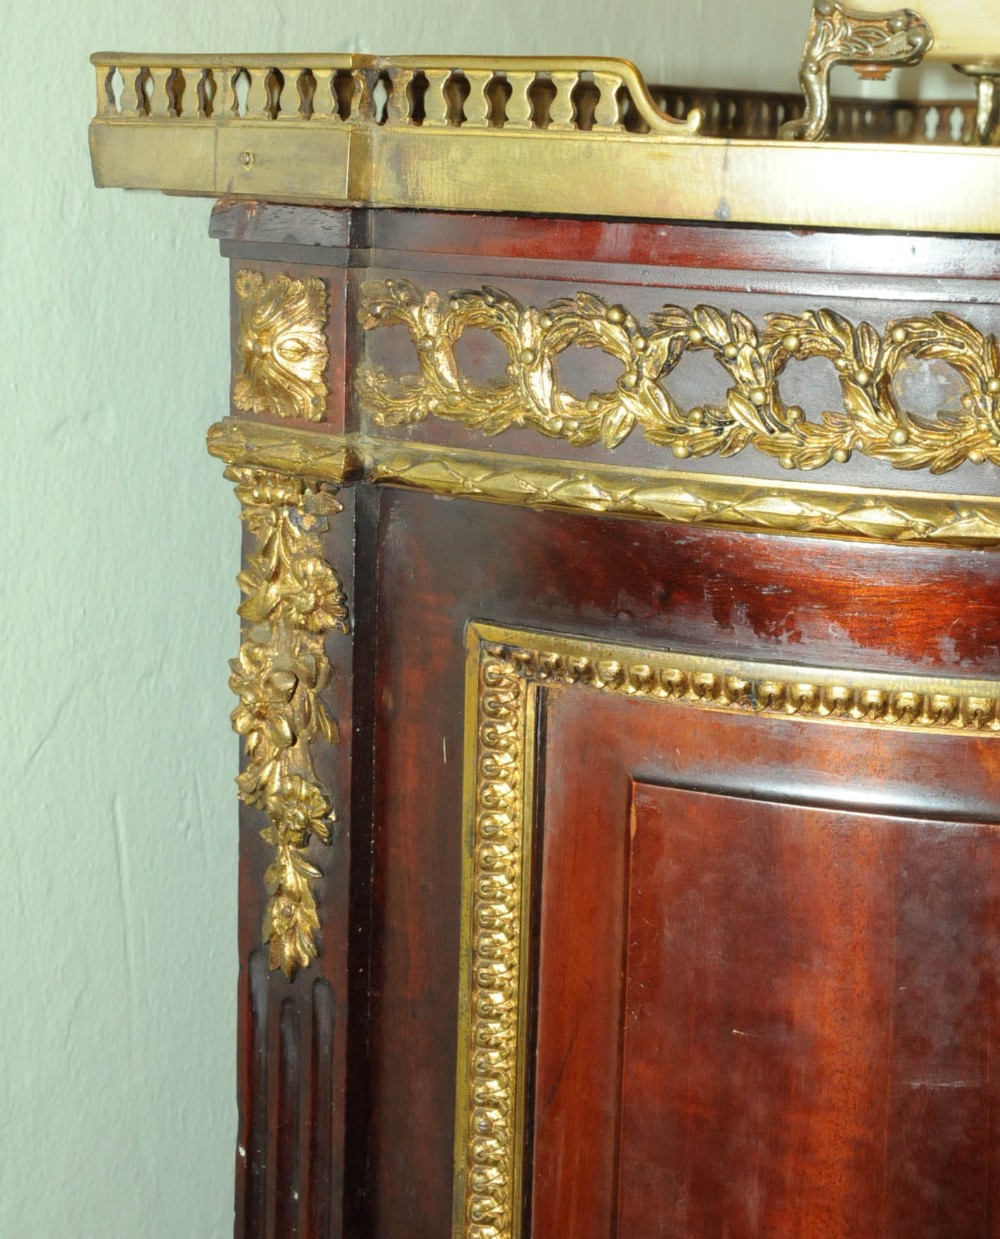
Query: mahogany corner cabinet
619, 680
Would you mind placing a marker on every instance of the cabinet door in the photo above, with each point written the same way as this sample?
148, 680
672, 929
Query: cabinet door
759, 1016
716, 950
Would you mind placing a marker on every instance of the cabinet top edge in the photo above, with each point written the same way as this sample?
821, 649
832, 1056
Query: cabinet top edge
522, 135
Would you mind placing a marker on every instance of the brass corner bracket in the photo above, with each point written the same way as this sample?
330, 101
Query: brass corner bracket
842, 36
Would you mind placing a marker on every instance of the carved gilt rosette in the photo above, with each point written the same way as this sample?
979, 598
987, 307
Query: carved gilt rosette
754, 415
282, 346
293, 598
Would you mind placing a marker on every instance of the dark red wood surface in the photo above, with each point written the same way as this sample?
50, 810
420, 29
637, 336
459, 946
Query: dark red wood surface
442, 563
612, 242
810, 1021
347, 1075
389, 1018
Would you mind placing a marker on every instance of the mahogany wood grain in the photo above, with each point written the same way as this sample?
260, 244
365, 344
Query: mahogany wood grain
295, 1058
614, 242
347, 1075
442, 563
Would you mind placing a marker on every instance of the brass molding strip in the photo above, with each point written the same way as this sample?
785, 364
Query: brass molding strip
647, 494
507, 669
292, 450
782, 690
311, 129
690, 498
498, 810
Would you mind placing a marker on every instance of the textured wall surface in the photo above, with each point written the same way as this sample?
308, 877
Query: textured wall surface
120, 545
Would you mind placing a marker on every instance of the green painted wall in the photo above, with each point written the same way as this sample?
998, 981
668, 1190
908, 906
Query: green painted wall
120, 543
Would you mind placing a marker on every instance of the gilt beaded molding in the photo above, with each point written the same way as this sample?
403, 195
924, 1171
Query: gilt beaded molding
293, 598
754, 415
506, 671
489, 1133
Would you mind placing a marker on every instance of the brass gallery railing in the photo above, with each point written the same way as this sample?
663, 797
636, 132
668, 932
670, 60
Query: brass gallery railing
742, 114
585, 137
584, 95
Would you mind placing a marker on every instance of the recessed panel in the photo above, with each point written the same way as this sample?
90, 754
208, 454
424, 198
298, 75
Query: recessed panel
560, 1104
809, 1000
759, 1017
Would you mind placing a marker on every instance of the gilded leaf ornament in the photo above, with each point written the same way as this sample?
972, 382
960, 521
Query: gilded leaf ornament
292, 598
282, 345
754, 415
